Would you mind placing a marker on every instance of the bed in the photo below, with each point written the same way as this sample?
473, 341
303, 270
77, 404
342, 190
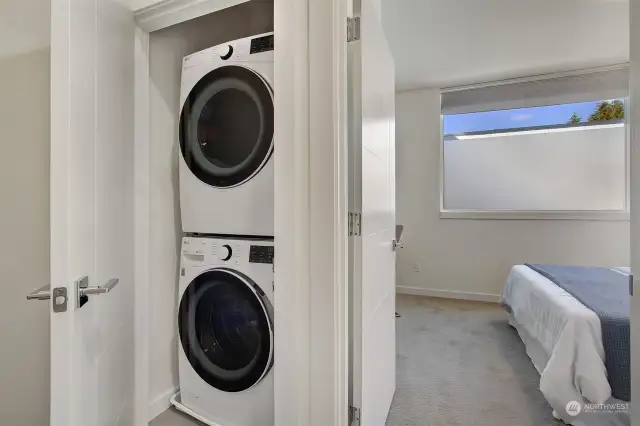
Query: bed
563, 338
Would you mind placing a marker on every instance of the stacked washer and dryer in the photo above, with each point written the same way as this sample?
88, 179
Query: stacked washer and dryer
225, 312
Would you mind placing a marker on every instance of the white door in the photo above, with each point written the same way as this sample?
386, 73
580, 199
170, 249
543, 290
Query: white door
372, 255
92, 346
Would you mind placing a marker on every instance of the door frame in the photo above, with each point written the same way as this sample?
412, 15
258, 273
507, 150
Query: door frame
311, 380
633, 121
311, 297
141, 223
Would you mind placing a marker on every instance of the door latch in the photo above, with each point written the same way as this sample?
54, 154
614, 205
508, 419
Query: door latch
59, 294
60, 299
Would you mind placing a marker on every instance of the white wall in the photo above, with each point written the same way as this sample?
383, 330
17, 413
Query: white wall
575, 168
25, 26
474, 256
167, 48
24, 231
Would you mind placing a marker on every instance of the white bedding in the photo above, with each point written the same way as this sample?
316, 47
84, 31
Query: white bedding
563, 339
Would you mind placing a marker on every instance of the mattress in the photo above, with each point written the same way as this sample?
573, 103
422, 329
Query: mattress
604, 291
564, 341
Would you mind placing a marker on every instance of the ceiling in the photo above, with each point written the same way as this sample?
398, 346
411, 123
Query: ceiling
24, 26
442, 43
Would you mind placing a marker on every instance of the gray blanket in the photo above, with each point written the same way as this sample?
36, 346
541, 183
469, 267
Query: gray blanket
605, 292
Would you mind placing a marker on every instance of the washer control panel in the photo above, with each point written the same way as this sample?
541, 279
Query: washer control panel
260, 254
229, 252
261, 44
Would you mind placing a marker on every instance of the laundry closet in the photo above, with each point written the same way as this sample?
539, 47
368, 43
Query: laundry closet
207, 211
162, 295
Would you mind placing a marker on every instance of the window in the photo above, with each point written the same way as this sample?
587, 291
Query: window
543, 148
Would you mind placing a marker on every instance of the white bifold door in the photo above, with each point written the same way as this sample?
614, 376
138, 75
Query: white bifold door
372, 199
91, 291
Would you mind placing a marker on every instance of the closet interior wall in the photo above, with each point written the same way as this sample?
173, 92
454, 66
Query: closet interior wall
167, 47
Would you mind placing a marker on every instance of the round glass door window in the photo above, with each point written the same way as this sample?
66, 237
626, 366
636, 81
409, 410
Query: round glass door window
226, 126
226, 331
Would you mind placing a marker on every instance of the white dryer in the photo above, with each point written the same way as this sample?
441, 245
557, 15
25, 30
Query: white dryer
225, 322
226, 139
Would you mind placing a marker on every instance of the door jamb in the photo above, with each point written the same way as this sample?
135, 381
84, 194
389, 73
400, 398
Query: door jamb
311, 297
142, 229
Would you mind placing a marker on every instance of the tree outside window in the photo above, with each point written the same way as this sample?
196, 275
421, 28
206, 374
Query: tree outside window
604, 111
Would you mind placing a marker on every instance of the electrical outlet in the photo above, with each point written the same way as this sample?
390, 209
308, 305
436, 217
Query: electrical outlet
416, 267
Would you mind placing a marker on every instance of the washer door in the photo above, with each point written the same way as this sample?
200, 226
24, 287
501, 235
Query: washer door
226, 126
226, 329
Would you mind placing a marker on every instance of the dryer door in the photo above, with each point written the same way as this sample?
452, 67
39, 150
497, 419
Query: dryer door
226, 126
226, 329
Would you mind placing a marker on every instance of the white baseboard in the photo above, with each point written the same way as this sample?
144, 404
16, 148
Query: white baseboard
160, 404
449, 294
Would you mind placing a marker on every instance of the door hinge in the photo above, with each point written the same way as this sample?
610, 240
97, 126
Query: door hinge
350, 219
354, 416
353, 28
355, 224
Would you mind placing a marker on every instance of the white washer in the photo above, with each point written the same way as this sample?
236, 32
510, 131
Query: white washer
226, 139
225, 323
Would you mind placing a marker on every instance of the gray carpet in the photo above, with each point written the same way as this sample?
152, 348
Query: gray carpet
459, 364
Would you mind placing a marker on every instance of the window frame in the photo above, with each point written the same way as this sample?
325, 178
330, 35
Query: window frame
591, 215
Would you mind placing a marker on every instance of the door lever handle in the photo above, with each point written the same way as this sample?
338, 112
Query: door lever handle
43, 293
85, 290
88, 291
59, 296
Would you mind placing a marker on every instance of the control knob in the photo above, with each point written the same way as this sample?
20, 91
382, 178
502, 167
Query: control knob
225, 252
226, 53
